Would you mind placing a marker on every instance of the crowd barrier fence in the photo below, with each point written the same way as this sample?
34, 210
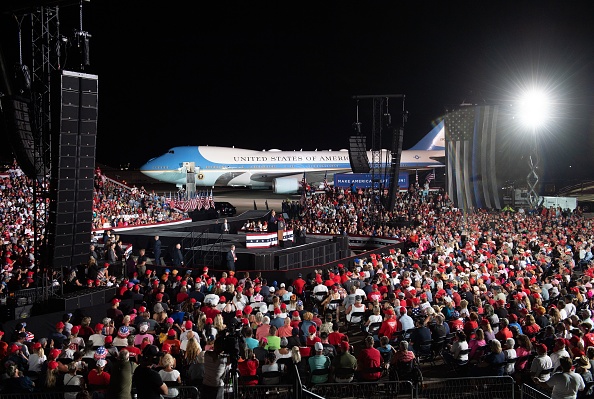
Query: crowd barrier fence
529, 392
472, 387
366, 390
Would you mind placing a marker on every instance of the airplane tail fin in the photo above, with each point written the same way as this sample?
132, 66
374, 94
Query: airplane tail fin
434, 140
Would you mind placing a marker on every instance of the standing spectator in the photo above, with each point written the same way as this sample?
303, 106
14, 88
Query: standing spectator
169, 374
567, 383
157, 250
231, 258
122, 371
177, 258
148, 382
215, 367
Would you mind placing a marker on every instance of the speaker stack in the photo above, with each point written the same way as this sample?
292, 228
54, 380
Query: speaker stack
74, 134
358, 154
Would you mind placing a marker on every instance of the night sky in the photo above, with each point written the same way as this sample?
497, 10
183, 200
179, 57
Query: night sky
263, 75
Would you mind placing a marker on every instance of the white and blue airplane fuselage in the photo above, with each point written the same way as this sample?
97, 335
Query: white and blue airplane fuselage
280, 170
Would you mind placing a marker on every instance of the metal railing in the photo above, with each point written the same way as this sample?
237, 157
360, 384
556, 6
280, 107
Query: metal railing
187, 392
365, 390
529, 392
30, 296
32, 395
266, 391
477, 388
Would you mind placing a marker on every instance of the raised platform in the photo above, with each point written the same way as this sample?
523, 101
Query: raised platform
203, 243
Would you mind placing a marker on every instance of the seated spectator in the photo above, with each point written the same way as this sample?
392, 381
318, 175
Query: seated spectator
319, 362
17, 382
73, 379
273, 339
344, 361
170, 374
510, 353
99, 379
453, 353
476, 342
493, 363
368, 360
248, 367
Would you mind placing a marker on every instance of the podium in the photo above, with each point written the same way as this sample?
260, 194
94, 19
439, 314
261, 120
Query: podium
280, 232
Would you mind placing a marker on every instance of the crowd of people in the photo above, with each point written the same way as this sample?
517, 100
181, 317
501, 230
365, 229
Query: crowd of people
509, 292
114, 205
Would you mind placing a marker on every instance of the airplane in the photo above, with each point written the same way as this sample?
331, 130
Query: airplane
281, 171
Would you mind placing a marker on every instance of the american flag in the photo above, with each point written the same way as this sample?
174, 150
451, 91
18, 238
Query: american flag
471, 155
325, 180
206, 201
211, 200
199, 201
304, 189
430, 176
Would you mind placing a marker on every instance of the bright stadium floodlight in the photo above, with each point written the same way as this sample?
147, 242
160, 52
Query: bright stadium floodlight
534, 108
534, 112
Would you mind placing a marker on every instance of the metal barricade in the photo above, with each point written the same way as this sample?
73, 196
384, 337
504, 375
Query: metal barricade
187, 392
32, 395
366, 390
529, 392
266, 391
475, 387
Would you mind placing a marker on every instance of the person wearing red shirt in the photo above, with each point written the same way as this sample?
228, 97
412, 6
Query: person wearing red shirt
471, 325
232, 279
99, 378
456, 324
504, 332
374, 295
389, 326
588, 337
369, 358
3, 346
249, 368
299, 285
335, 337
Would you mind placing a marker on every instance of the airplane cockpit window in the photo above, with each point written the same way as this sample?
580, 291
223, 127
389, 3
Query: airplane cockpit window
171, 152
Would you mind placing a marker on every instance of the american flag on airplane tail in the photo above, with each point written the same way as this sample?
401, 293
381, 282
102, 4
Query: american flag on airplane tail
430, 176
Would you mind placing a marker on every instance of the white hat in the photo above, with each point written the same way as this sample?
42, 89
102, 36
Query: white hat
101, 363
271, 289
318, 346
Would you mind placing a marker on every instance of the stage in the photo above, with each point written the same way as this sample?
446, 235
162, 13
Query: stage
204, 244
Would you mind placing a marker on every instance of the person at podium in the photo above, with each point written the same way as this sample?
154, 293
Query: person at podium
272, 222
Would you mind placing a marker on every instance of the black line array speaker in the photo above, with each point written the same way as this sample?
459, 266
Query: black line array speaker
358, 154
18, 117
74, 134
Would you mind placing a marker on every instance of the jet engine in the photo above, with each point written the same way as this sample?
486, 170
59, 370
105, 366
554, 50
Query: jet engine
285, 185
